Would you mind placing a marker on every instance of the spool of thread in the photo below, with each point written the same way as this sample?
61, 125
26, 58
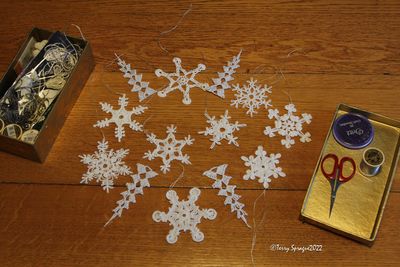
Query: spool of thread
372, 161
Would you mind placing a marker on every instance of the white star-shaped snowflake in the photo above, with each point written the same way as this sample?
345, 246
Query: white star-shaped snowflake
222, 129
121, 117
168, 149
262, 166
182, 80
105, 165
251, 96
289, 125
184, 215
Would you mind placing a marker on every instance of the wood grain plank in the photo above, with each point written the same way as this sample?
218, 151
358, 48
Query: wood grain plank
328, 37
315, 94
63, 226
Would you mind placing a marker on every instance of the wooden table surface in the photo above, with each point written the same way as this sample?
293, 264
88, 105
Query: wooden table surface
321, 52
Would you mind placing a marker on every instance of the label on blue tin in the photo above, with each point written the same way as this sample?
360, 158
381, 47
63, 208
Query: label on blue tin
353, 131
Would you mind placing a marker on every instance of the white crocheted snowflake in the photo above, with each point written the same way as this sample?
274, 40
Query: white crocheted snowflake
168, 149
289, 125
121, 117
142, 88
221, 83
251, 96
105, 165
262, 166
221, 182
182, 80
140, 180
184, 215
222, 129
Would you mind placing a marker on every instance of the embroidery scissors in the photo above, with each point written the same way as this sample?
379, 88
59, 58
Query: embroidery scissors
336, 177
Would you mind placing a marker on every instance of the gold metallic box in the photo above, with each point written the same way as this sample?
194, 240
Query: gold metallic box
63, 104
360, 202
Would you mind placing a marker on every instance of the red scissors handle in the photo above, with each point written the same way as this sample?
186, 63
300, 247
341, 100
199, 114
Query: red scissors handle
337, 170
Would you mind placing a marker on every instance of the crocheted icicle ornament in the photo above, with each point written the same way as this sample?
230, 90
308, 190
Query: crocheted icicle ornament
168, 149
221, 83
221, 182
105, 165
140, 180
262, 166
184, 215
121, 117
251, 96
135, 80
181, 80
221, 129
289, 125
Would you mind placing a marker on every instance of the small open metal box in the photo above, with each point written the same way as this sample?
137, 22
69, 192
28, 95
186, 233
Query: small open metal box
62, 106
360, 202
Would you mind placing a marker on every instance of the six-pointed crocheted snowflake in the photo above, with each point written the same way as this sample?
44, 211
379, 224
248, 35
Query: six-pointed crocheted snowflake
121, 117
289, 125
221, 83
105, 165
140, 180
221, 129
182, 80
262, 166
135, 80
184, 215
251, 96
221, 182
168, 149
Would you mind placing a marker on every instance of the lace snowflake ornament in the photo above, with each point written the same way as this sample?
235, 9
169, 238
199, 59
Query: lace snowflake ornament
184, 215
105, 165
168, 149
181, 80
221, 83
289, 125
262, 166
121, 117
221, 182
140, 180
221, 129
251, 96
135, 80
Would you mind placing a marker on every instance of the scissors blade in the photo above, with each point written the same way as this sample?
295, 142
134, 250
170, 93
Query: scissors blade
334, 187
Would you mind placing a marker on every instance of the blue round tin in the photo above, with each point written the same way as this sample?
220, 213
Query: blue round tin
353, 131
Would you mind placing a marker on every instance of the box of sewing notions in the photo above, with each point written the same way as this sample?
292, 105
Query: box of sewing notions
39, 89
353, 176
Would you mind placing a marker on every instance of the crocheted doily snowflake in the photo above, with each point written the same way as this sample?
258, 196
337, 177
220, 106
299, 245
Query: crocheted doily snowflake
221, 182
289, 125
262, 166
105, 165
182, 80
142, 88
184, 215
140, 180
221, 129
121, 117
251, 96
221, 83
168, 149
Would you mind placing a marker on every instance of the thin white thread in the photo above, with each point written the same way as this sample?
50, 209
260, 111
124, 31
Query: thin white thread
172, 29
293, 51
179, 177
254, 239
80, 31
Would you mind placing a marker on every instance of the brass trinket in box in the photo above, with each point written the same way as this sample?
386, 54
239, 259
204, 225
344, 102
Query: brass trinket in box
37, 143
354, 209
